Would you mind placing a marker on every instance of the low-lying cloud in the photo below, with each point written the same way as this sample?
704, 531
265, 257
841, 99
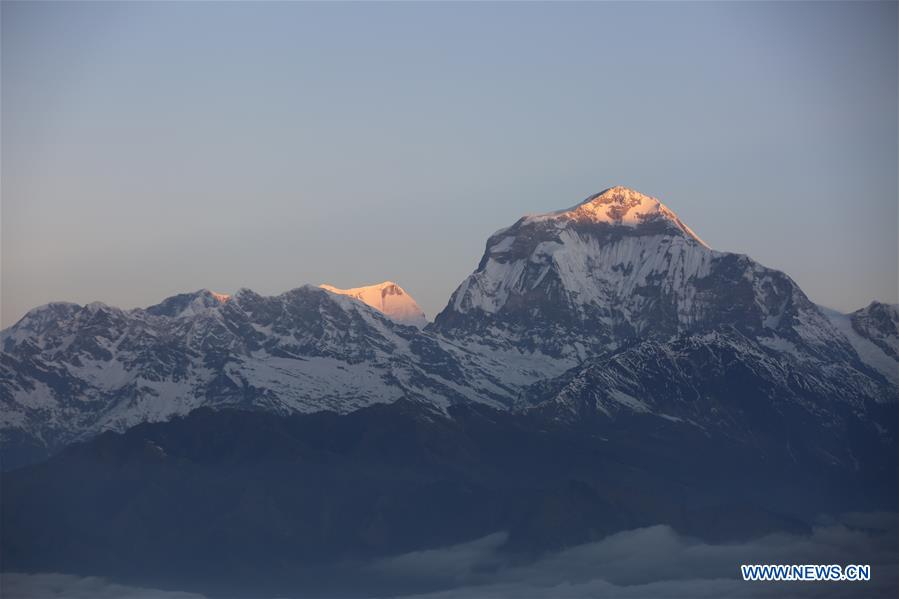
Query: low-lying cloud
659, 562
653, 562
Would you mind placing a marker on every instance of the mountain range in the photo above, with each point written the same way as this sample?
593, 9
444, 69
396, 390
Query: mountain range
602, 368
618, 281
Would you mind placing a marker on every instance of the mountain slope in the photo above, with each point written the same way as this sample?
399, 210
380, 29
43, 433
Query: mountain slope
388, 298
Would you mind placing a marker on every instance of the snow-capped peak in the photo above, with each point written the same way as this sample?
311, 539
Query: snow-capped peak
388, 298
619, 206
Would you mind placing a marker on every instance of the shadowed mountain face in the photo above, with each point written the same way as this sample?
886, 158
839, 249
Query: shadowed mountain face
232, 502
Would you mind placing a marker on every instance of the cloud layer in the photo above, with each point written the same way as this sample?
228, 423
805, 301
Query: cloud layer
658, 562
648, 562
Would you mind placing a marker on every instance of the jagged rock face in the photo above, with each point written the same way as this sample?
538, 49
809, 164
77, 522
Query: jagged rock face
615, 269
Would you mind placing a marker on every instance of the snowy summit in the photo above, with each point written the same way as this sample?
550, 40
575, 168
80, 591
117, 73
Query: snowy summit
619, 206
388, 298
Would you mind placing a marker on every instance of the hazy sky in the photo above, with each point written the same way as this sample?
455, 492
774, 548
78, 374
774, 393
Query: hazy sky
151, 149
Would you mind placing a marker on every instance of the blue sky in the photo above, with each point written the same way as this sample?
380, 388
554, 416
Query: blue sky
150, 149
